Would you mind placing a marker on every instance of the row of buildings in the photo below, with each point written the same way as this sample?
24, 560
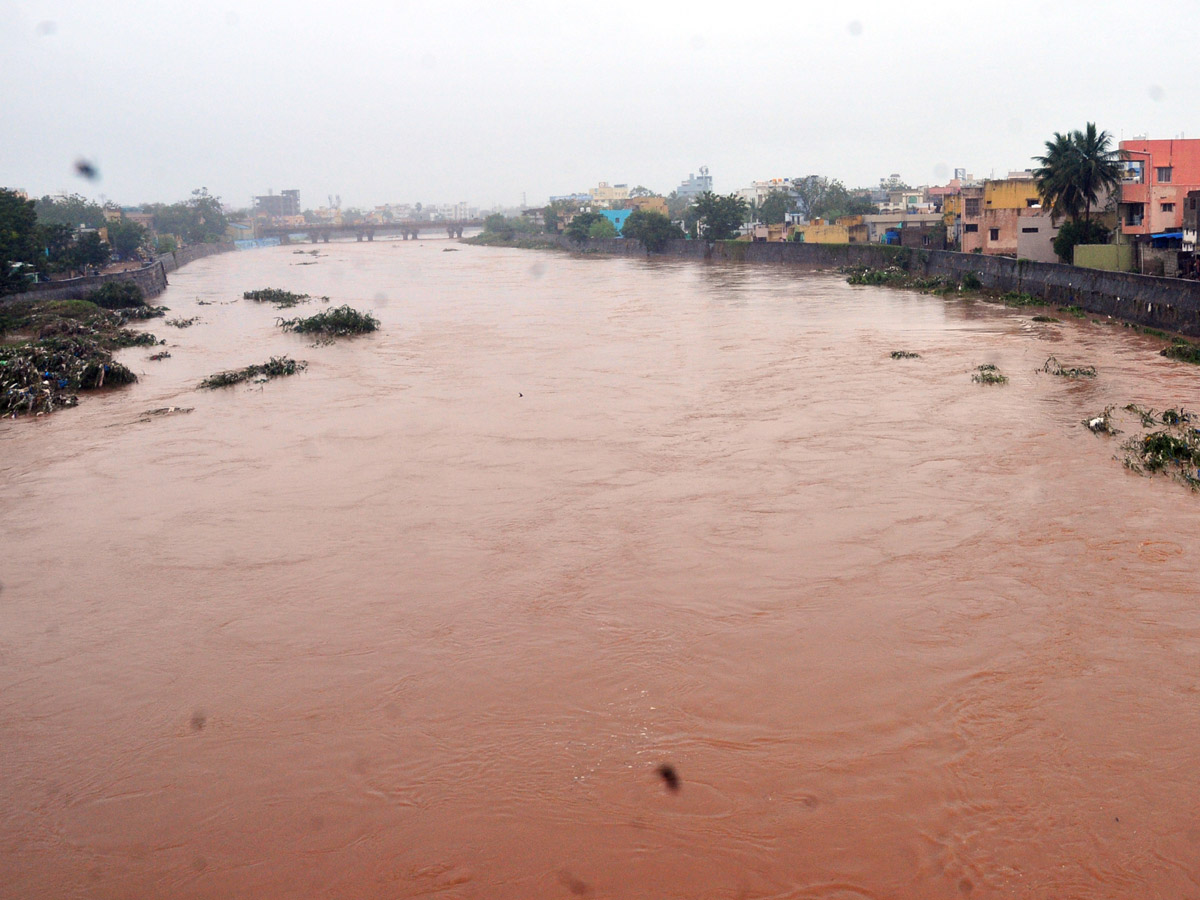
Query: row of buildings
1154, 213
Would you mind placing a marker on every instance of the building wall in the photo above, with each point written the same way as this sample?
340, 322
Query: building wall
1111, 257
1182, 157
617, 217
649, 204
1036, 232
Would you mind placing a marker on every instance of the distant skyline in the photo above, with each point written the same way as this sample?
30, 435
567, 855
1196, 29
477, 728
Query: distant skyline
424, 102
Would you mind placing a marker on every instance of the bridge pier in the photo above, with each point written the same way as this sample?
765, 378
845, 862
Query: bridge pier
325, 236
370, 234
312, 236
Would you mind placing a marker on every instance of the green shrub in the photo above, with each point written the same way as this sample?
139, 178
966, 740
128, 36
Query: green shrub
117, 295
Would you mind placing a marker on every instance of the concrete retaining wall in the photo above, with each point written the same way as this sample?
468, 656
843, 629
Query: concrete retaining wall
180, 258
152, 278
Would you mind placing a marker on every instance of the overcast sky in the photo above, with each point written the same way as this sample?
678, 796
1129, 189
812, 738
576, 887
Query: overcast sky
440, 102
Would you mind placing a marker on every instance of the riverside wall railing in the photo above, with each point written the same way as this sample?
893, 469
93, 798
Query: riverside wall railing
1171, 304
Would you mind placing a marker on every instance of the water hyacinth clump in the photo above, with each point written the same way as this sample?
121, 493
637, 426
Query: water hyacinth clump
281, 299
1054, 367
905, 354
337, 322
1182, 350
988, 374
275, 367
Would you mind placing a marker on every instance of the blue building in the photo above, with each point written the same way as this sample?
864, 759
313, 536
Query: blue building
617, 217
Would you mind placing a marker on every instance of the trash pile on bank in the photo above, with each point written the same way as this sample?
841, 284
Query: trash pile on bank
67, 347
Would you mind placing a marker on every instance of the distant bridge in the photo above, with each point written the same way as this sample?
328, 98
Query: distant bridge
368, 230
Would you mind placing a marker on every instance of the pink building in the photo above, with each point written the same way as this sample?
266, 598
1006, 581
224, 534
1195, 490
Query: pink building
1158, 176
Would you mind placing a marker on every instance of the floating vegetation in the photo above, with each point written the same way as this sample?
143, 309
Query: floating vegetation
1047, 319
165, 354
1077, 311
894, 276
1174, 451
168, 410
183, 323
139, 313
337, 322
970, 282
1103, 423
905, 354
281, 299
1184, 351
1054, 367
117, 295
988, 374
1019, 298
275, 367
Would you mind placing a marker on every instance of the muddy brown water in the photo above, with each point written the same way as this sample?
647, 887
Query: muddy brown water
425, 620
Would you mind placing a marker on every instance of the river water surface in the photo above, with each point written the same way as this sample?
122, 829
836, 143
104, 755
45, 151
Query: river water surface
424, 620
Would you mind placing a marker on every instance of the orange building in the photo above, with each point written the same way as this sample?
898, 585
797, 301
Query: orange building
1157, 178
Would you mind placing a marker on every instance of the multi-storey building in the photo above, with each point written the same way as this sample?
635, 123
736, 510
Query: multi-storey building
1157, 178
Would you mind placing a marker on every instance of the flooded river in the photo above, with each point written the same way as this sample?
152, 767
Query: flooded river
425, 620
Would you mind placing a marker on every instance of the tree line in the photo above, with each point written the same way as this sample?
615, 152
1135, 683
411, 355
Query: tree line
60, 235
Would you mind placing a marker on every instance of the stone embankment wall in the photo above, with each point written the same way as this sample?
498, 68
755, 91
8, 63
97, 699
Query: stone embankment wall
180, 258
151, 278
1171, 304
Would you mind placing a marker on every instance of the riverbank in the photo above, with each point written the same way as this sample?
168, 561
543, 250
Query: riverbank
150, 278
1167, 304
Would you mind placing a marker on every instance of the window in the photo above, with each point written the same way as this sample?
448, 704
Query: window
970, 229
1133, 216
993, 234
972, 206
1031, 202
1162, 174
1168, 207
1033, 230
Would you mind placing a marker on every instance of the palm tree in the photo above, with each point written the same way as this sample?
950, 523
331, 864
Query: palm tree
1075, 170
1056, 177
1099, 166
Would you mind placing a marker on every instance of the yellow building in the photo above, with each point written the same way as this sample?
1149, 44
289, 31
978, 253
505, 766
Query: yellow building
649, 204
1011, 193
846, 230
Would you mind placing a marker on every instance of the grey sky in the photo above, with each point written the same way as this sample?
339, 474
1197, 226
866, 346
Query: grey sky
439, 102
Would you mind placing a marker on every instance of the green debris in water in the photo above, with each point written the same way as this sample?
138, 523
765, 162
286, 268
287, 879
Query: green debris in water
281, 299
336, 322
183, 323
275, 367
1184, 351
988, 374
1048, 319
1054, 367
905, 354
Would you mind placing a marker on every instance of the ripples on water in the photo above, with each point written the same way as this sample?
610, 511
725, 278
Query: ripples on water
427, 619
